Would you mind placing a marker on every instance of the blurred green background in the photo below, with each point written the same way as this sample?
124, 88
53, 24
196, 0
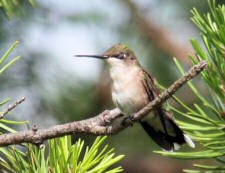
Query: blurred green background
61, 88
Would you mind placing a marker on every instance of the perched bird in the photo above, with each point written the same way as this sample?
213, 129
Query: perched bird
132, 89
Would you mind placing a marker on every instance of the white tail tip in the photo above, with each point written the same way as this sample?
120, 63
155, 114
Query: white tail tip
189, 141
176, 146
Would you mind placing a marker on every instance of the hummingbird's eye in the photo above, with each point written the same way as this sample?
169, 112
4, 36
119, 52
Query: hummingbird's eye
121, 56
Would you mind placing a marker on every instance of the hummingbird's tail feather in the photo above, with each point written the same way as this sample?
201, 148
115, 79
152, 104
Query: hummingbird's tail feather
189, 141
166, 134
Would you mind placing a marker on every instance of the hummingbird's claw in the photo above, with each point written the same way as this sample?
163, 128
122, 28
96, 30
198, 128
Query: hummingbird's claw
132, 117
106, 117
127, 121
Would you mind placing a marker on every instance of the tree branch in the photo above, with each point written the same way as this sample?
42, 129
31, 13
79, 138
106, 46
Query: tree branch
101, 124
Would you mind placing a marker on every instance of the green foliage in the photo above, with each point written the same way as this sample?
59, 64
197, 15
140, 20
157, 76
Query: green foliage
6, 56
206, 120
12, 8
4, 123
4, 66
212, 26
63, 156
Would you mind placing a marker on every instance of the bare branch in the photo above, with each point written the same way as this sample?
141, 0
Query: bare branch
11, 107
101, 124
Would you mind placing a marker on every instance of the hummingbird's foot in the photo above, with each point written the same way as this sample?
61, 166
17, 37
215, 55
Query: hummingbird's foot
127, 121
132, 117
108, 118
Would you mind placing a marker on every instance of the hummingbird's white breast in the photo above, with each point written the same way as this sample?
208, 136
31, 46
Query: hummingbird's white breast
128, 92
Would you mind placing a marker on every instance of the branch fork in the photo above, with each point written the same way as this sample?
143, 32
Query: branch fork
102, 124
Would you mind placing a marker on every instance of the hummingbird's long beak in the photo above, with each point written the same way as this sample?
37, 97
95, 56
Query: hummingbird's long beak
93, 56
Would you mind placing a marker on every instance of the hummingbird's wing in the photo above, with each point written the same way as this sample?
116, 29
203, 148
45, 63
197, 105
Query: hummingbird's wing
152, 92
161, 128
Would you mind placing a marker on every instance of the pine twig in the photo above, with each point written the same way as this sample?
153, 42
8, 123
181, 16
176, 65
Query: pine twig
101, 124
11, 107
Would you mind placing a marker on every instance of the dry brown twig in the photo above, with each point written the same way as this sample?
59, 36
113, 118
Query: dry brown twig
101, 124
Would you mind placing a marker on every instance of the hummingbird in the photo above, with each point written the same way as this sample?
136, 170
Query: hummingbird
132, 89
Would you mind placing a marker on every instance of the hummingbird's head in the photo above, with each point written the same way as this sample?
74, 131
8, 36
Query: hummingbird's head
120, 54
118, 50
117, 55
